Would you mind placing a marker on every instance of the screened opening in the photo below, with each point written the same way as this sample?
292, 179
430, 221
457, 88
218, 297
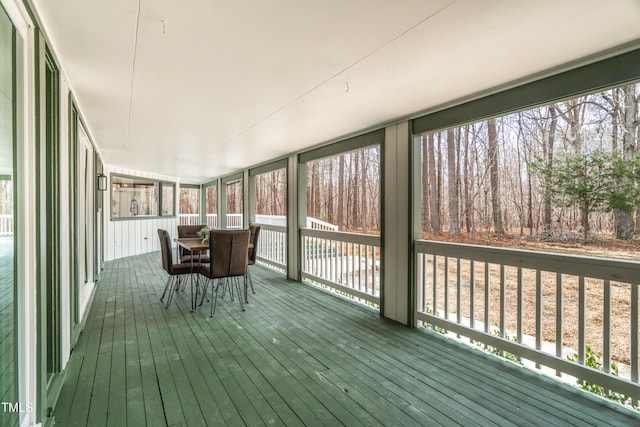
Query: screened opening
271, 214
563, 174
211, 202
271, 197
234, 205
341, 244
189, 205
343, 192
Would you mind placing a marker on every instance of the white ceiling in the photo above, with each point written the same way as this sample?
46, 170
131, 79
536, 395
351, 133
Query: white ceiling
200, 88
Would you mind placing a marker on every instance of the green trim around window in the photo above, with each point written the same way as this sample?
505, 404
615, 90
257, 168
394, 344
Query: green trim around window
192, 186
619, 70
230, 179
172, 185
269, 167
351, 144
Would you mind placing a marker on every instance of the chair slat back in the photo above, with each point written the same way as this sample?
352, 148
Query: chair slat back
165, 246
229, 252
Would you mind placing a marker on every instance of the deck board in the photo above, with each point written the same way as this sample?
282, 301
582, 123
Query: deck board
297, 356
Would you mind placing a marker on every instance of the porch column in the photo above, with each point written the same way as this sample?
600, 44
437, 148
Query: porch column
249, 199
295, 200
398, 218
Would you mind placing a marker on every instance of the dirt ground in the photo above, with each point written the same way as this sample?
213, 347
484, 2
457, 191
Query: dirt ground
620, 293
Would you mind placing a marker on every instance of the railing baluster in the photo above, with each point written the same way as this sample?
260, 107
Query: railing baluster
606, 326
519, 309
435, 287
359, 267
472, 294
459, 291
581, 320
559, 308
503, 299
538, 312
366, 269
634, 332
487, 297
446, 287
423, 282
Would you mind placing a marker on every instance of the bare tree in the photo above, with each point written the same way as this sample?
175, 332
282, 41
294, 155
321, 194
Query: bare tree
452, 175
495, 178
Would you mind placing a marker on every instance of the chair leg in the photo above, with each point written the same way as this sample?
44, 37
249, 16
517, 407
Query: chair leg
165, 288
172, 289
246, 289
214, 298
250, 280
204, 291
236, 281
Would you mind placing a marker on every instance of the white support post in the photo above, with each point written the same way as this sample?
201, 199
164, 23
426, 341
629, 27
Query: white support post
293, 214
397, 221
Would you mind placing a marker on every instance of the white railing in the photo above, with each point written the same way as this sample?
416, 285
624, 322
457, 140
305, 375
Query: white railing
233, 220
188, 219
536, 307
272, 246
212, 221
279, 220
317, 224
6, 225
345, 262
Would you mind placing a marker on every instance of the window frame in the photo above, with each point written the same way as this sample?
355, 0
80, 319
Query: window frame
161, 186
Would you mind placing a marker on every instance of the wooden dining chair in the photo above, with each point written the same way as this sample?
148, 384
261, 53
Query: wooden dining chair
229, 261
253, 251
175, 271
191, 231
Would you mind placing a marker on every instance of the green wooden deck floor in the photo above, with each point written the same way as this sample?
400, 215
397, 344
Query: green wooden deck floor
297, 356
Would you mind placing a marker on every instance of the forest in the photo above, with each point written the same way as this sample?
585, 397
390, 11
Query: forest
568, 171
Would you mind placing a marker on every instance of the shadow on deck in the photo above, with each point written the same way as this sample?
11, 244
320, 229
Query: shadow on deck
297, 356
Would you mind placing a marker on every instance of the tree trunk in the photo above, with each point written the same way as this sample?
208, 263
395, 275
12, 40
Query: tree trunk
466, 187
340, 219
495, 178
363, 191
330, 213
454, 215
584, 220
548, 157
434, 188
426, 193
355, 202
624, 223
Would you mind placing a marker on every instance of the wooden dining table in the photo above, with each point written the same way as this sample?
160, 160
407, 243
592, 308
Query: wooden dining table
194, 245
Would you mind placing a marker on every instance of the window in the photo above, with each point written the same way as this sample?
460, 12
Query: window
271, 197
211, 196
189, 205
562, 173
234, 204
168, 199
343, 192
137, 197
